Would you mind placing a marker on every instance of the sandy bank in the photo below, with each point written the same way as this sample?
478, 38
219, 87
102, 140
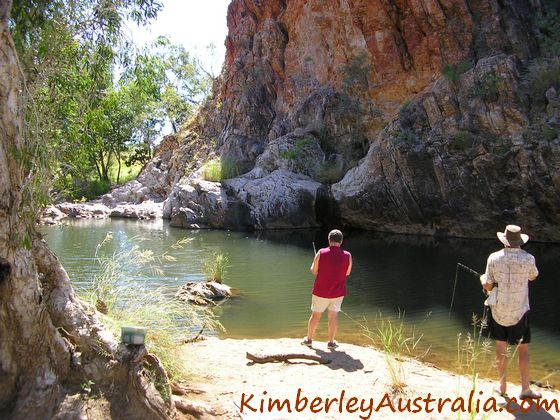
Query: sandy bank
229, 379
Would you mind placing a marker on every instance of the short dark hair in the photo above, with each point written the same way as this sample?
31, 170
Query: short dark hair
335, 236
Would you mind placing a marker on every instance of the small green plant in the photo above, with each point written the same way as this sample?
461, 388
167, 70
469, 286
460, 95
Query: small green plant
212, 170
547, 20
541, 75
398, 343
549, 133
405, 108
406, 136
294, 152
464, 140
329, 172
215, 267
218, 169
452, 72
489, 88
472, 352
355, 72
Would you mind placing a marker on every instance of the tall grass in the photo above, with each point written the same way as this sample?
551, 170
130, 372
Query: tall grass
215, 267
123, 301
472, 352
398, 344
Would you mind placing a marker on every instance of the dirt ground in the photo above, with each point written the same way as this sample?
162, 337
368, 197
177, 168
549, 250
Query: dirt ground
355, 384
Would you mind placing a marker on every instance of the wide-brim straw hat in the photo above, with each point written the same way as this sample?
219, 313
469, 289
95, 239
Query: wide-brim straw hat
512, 236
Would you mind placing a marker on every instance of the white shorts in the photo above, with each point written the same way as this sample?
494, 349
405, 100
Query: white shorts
319, 304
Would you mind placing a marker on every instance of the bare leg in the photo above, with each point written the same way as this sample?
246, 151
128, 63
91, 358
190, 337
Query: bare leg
312, 324
501, 363
523, 359
333, 324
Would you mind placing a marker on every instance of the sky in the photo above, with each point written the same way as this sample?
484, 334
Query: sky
192, 23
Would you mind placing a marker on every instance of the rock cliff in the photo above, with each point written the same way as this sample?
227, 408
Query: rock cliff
412, 116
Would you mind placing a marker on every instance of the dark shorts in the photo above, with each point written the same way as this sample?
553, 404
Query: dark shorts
513, 334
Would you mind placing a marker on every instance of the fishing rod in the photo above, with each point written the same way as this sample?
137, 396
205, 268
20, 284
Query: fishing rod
467, 269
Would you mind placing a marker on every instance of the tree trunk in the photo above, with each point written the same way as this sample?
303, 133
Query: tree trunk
51, 343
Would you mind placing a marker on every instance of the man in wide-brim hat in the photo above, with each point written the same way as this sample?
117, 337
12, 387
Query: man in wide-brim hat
510, 270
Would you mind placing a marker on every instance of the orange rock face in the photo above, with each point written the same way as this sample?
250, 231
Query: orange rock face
406, 110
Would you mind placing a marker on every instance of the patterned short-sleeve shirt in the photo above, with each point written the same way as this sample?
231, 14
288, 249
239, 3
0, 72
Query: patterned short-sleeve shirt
511, 269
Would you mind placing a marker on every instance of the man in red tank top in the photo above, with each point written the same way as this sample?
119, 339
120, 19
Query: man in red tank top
331, 266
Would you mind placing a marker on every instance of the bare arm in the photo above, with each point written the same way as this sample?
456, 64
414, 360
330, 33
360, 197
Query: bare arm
487, 278
534, 273
349, 271
315, 266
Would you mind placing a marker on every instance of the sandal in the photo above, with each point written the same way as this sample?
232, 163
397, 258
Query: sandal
502, 394
331, 345
530, 394
307, 342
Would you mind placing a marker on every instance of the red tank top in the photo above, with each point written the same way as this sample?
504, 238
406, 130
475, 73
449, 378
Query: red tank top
331, 278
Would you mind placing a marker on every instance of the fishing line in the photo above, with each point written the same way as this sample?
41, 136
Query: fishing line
469, 270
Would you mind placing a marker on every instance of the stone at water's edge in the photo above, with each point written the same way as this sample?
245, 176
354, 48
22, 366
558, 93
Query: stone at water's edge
281, 199
203, 292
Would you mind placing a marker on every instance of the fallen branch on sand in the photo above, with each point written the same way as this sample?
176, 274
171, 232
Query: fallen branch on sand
261, 358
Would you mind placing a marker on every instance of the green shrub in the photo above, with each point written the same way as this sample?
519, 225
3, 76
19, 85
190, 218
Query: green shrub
294, 152
397, 342
329, 172
464, 140
542, 74
489, 89
218, 169
549, 133
405, 136
212, 170
215, 267
453, 71
355, 72
547, 20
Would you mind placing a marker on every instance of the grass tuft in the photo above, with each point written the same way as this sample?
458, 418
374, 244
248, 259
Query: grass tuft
215, 267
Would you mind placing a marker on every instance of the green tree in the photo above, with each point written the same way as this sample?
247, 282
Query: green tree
67, 51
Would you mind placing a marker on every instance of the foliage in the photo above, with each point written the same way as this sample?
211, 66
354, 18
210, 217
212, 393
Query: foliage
452, 72
464, 140
549, 133
90, 95
405, 136
397, 342
547, 20
355, 72
294, 152
218, 169
330, 172
215, 267
115, 291
489, 88
541, 75
472, 352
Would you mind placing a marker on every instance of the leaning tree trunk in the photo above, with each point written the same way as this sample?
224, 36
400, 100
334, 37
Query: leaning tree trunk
51, 343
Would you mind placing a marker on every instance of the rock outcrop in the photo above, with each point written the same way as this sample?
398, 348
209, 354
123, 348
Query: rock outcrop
203, 292
416, 117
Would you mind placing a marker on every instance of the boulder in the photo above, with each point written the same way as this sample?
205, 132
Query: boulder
199, 204
145, 210
281, 199
203, 292
84, 210
51, 216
